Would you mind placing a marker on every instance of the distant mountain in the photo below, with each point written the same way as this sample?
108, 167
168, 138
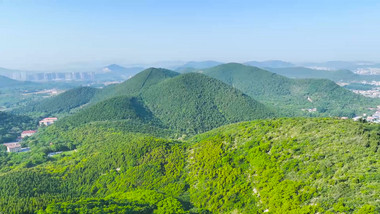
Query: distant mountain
116, 73
194, 103
302, 72
7, 82
191, 66
320, 96
342, 65
270, 64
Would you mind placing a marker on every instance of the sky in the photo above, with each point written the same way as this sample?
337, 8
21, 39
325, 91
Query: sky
48, 34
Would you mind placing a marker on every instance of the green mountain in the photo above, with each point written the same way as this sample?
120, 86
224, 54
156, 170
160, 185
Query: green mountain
292, 95
186, 104
298, 165
195, 103
62, 103
136, 84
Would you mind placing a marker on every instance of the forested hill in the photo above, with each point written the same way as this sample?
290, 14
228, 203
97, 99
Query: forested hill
134, 85
292, 95
194, 103
298, 165
186, 104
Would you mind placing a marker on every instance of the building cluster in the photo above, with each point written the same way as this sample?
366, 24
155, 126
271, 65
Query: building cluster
374, 93
375, 118
16, 146
13, 147
310, 109
368, 71
48, 121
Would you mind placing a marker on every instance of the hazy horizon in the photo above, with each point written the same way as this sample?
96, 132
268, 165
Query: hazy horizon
41, 35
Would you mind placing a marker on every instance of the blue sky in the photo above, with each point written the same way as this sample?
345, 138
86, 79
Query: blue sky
39, 34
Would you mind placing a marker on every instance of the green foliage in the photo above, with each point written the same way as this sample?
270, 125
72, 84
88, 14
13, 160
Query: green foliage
97, 206
169, 206
283, 166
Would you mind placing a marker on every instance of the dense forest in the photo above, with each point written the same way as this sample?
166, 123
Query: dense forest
276, 166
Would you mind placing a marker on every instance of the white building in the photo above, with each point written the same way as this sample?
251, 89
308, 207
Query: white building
13, 147
48, 121
28, 133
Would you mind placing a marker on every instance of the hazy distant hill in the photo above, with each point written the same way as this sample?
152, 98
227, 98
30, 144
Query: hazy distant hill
335, 75
116, 73
192, 66
292, 95
301, 72
7, 82
270, 64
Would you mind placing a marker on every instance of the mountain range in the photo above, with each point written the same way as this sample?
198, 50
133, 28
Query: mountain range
288, 97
